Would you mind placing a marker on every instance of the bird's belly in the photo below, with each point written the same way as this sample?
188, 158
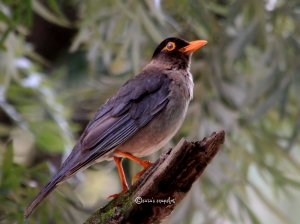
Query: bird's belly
158, 132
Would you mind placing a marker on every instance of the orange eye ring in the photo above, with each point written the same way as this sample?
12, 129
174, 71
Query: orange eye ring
170, 46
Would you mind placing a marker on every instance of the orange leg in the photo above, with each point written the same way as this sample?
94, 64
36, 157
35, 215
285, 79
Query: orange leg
143, 163
122, 177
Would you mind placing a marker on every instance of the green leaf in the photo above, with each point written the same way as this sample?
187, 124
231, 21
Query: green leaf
48, 137
4, 36
40, 9
7, 163
11, 177
5, 18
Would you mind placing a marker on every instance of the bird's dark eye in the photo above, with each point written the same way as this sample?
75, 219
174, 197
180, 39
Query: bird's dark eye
170, 46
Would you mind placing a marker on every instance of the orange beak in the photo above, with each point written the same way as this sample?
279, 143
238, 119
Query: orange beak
193, 46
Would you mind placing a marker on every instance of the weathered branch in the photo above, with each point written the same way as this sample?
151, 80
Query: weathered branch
154, 196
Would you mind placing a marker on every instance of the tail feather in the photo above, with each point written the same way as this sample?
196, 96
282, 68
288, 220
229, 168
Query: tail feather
47, 189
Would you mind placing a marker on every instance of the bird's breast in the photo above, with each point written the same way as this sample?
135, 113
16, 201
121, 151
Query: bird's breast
165, 125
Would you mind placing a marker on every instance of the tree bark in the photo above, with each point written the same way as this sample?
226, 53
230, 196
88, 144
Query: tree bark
157, 192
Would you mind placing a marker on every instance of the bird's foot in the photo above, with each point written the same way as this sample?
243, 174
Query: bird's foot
146, 164
113, 196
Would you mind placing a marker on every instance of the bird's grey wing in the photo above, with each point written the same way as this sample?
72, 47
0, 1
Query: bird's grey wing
136, 103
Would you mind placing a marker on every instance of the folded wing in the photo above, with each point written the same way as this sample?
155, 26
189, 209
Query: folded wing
137, 102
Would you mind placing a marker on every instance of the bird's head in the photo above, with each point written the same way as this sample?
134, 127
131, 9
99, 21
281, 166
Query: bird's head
175, 53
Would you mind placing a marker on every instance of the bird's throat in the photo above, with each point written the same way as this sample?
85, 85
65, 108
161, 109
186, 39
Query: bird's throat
182, 63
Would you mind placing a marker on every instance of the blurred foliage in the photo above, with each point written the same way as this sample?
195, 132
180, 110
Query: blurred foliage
246, 82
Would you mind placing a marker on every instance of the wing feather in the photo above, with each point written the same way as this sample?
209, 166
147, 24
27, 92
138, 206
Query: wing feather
133, 107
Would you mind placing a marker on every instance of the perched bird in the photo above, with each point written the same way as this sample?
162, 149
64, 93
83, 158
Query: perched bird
139, 119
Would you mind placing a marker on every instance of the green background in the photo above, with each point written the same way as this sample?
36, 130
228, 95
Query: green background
60, 60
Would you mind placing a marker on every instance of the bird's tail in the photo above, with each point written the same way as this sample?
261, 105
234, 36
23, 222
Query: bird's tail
47, 189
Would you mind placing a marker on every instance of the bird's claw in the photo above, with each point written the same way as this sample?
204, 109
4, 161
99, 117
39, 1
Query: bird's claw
146, 164
137, 176
113, 196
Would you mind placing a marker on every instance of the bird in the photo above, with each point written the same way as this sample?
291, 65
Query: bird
143, 115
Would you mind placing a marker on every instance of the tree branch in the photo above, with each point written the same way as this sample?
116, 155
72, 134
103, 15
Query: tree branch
154, 196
